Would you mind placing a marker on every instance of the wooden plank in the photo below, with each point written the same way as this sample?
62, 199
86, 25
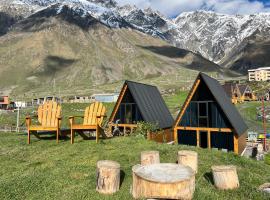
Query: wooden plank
235, 144
44, 114
194, 88
209, 139
99, 113
175, 136
86, 113
198, 138
102, 113
40, 113
58, 113
204, 129
118, 102
49, 113
54, 118
93, 115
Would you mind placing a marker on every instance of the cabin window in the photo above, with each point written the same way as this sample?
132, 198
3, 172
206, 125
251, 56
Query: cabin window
204, 114
128, 113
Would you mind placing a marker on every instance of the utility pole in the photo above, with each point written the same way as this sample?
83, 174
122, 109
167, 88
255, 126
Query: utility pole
264, 124
18, 119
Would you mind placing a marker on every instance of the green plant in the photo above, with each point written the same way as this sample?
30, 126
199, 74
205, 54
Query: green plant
143, 128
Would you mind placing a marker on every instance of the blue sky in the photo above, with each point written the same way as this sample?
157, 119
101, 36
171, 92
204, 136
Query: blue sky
172, 8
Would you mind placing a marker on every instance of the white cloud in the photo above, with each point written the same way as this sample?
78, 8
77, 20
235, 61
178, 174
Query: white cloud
175, 7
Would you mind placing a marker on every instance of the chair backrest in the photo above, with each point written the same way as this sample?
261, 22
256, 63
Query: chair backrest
94, 114
48, 113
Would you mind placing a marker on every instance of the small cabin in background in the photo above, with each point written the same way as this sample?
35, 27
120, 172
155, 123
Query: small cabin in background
139, 102
246, 93
4, 102
208, 119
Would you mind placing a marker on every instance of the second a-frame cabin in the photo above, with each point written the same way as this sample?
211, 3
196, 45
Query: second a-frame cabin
208, 119
140, 102
233, 92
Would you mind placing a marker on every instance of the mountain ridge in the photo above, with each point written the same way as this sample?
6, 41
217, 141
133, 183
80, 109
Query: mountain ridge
214, 36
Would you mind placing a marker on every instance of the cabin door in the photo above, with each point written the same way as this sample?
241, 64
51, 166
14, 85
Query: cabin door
203, 139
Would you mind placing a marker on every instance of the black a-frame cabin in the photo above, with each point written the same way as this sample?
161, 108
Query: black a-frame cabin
140, 102
208, 119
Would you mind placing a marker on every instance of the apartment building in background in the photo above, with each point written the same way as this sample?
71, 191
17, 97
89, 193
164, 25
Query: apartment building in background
259, 74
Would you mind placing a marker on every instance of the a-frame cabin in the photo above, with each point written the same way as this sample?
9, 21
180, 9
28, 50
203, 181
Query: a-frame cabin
140, 102
208, 119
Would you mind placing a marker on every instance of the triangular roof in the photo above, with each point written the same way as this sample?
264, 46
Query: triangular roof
243, 88
150, 103
222, 100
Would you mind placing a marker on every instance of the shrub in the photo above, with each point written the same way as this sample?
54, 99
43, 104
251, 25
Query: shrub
143, 128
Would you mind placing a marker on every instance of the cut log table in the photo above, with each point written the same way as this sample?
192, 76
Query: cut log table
225, 177
149, 157
188, 158
164, 180
108, 176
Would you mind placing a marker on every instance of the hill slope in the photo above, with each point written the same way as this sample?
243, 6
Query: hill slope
217, 37
70, 51
71, 174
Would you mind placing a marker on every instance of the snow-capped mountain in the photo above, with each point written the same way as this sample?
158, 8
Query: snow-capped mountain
217, 37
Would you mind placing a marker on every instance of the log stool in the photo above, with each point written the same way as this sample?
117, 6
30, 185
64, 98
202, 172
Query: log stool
188, 158
225, 177
149, 157
108, 176
163, 180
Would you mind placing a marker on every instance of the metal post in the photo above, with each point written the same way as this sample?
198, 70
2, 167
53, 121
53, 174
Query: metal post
18, 119
264, 124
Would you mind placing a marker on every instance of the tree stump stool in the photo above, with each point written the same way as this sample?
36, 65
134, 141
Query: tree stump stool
225, 177
164, 180
108, 176
188, 158
149, 157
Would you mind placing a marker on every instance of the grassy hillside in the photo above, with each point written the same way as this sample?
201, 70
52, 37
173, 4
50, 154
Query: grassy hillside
50, 55
45, 170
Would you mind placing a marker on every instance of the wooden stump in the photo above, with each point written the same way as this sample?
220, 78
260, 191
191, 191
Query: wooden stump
164, 180
149, 157
108, 176
188, 158
225, 177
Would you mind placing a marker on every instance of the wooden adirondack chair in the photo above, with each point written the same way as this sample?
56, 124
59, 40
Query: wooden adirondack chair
49, 117
92, 120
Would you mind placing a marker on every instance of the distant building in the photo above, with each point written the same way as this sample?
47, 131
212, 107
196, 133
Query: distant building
20, 104
41, 100
4, 102
260, 74
246, 93
107, 98
79, 99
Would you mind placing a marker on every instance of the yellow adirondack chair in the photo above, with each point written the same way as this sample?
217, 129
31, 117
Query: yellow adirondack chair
92, 120
49, 117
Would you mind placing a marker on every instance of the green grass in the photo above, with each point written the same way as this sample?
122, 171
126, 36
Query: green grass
46, 170
249, 114
175, 102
